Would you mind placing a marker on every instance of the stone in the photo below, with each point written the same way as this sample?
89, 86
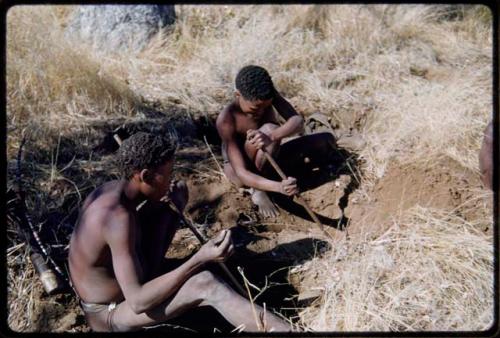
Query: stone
118, 28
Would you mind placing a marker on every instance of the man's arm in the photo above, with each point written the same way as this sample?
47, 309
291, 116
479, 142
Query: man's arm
226, 130
120, 235
294, 121
486, 157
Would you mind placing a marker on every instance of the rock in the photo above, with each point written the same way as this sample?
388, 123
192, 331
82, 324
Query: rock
118, 27
306, 297
352, 141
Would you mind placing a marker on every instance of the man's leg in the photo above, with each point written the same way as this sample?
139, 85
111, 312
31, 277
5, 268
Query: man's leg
201, 289
257, 155
231, 175
307, 151
260, 198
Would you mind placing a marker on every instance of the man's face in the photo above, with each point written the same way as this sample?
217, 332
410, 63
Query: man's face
254, 108
159, 180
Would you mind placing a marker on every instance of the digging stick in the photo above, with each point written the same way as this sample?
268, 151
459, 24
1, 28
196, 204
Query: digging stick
201, 238
297, 196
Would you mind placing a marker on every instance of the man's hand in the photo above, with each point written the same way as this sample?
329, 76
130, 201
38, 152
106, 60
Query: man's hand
179, 194
218, 249
258, 139
289, 186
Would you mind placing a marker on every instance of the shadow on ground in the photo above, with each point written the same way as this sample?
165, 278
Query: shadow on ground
267, 270
315, 160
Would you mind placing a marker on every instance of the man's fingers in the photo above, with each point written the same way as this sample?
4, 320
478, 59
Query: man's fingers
220, 237
229, 250
251, 133
290, 186
291, 190
225, 243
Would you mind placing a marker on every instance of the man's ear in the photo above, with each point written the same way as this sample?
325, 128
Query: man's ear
237, 93
145, 175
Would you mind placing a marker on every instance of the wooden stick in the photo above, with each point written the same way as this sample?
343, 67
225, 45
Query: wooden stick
297, 196
198, 235
203, 240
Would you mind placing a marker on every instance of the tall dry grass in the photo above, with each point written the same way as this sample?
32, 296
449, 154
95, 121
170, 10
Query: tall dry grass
394, 72
430, 271
390, 71
415, 80
51, 83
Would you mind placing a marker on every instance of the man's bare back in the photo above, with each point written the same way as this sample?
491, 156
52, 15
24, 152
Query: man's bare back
90, 258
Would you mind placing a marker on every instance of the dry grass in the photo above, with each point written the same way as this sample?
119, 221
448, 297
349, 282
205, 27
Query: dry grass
429, 271
20, 285
415, 80
390, 71
52, 84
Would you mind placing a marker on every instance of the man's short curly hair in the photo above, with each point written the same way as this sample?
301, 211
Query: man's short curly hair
144, 151
255, 83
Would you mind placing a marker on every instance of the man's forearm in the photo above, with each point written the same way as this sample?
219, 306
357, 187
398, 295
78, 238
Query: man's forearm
258, 182
161, 288
292, 126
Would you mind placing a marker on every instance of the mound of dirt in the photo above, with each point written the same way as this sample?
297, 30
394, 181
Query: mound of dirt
447, 185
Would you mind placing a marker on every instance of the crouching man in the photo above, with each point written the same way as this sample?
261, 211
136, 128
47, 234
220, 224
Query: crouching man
117, 253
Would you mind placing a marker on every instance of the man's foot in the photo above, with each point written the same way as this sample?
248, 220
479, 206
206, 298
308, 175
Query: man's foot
266, 207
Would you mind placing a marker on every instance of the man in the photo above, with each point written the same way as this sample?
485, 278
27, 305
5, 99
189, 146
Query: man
248, 125
117, 253
486, 157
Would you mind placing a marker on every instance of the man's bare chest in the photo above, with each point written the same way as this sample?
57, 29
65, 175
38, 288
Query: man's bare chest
243, 124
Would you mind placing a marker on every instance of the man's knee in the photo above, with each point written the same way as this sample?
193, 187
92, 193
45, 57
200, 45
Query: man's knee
204, 283
267, 128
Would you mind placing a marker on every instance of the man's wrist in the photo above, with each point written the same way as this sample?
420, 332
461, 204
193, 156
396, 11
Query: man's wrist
274, 137
277, 187
196, 261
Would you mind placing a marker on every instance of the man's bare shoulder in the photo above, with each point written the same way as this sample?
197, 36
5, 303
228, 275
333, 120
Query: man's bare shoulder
105, 205
226, 119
